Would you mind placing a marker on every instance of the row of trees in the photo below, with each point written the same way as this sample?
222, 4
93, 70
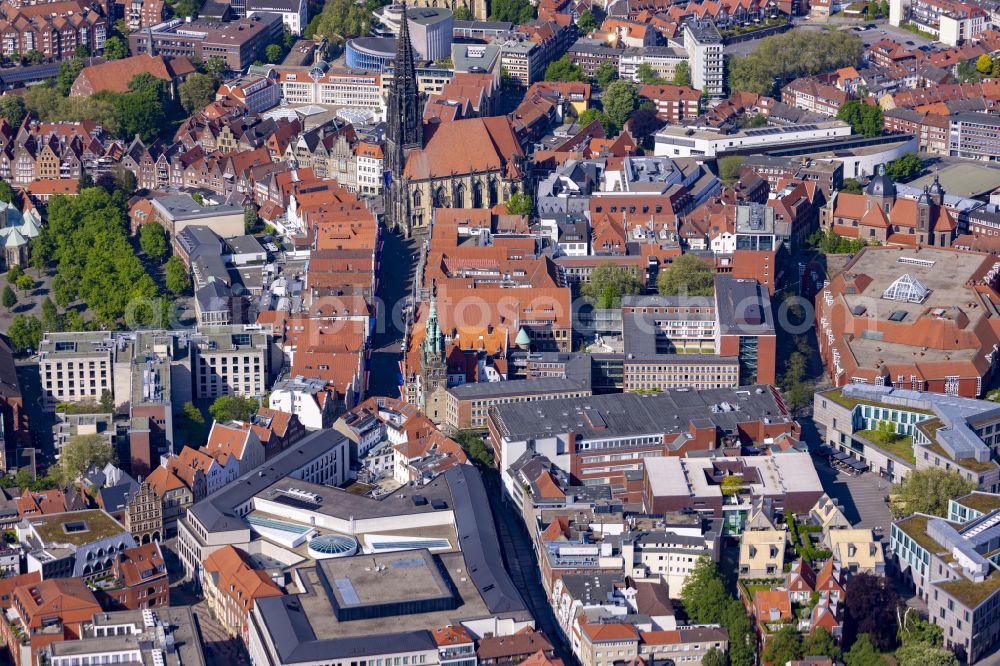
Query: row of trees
791, 54
687, 274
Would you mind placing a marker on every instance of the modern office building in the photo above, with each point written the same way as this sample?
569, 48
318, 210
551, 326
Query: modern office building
974, 136
294, 13
931, 430
952, 565
238, 43
431, 28
369, 53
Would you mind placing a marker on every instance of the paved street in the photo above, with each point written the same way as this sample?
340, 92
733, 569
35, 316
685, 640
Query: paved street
398, 263
523, 567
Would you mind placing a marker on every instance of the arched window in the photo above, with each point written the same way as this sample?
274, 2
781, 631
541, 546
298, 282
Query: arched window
477, 195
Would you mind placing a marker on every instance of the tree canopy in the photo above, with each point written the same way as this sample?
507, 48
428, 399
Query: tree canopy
82, 451
176, 276
115, 48
863, 118
928, 491
86, 237
792, 54
587, 23
592, 114
904, 169
605, 74
153, 240
12, 109
563, 70
687, 274
197, 91
515, 11
682, 74
645, 74
339, 21
608, 283
233, 408
863, 653
620, 100
25, 332
520, 204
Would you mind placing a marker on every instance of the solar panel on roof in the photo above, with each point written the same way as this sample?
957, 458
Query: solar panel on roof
411, 563
294, 502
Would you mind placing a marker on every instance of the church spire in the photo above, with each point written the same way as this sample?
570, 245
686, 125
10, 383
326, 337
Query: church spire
404, 132
433, 343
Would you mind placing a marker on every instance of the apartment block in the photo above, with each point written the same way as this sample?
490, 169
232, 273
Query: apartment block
704, 46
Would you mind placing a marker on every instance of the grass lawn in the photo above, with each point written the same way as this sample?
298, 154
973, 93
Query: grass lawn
901, 447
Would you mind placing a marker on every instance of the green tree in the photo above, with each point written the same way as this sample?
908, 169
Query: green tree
33, 57
603, 75
233, 408
9, 297
863, 653
793, 380
923, 654
645, 74
12, 109
50, 316
729, 168
82, 451
197, 91
792, 54
520, 204
515, 11
587, 23
68, 71
682, 74
25, 332
24, 282
820, 643
563, 70
153, 240
115, 48
273, 53
186, 8
704, 594
852, 186
863, 118
714, 657
608, 283
339, 21
620, 100
785, 645
474, 446
176, 276
592, 114
107, 402
886, 433
14, 273
250, 220
928, 491
905, 168
689, 275
916, 629
731, 485
463, 14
